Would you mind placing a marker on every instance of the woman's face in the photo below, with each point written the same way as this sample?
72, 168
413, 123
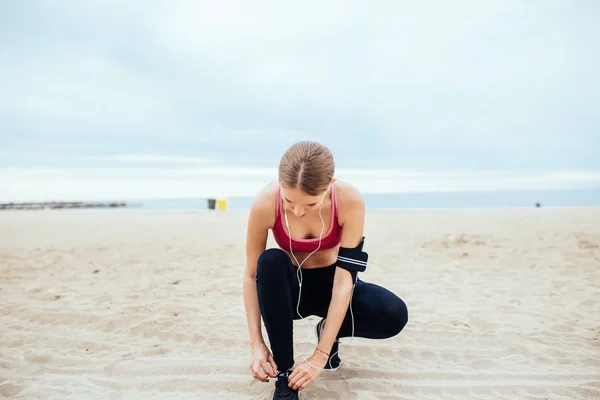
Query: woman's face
299, 202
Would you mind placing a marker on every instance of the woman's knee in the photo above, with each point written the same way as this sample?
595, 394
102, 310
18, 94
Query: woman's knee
383, 308
272, 261
397, 316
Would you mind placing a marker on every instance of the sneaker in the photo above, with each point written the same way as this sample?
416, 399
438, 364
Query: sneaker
282, 390
334, 359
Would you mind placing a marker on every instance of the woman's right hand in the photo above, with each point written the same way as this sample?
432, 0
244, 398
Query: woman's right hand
262, 364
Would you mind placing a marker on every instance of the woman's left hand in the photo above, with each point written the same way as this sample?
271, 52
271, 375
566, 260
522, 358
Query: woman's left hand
305, 374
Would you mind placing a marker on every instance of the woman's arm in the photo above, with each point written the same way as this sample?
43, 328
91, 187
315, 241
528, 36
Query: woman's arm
259, 221
352, 219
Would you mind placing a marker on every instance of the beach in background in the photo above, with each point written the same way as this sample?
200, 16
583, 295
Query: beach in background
115, 304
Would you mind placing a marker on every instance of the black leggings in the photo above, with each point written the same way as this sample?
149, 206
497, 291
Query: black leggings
378, 313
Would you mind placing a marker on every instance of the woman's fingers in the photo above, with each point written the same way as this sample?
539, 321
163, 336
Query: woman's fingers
272, 364
303, 385
267, 368
294, 381
300, 378
302, 382
257, 373
296, 372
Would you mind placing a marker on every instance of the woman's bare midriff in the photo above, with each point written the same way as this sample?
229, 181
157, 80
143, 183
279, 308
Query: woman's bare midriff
320, 259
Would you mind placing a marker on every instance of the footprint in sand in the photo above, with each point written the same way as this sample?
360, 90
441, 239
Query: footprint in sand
592, 362
428, 355
451, 357
483, 364
586, 244
10, 389
563, 361
562, 328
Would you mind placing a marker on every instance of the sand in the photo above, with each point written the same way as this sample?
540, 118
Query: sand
109, 304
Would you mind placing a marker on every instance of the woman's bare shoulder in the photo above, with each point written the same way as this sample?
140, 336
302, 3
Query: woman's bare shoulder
264, 204
347, 194
350, 201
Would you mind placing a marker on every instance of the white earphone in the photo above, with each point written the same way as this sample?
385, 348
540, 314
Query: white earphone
299, 276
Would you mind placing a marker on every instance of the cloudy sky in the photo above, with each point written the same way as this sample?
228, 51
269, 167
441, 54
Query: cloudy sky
130, 99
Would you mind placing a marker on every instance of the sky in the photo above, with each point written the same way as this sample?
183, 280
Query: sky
135, 99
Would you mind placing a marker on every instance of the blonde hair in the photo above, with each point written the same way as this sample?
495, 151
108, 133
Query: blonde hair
308, 166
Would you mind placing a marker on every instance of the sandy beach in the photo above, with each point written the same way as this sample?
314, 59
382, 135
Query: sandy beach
123, 304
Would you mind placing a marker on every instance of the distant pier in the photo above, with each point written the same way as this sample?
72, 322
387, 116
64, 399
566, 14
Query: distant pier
59, 205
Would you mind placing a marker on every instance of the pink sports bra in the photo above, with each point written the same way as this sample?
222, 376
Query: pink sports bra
331, 238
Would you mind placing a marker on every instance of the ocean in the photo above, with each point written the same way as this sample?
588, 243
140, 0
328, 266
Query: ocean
472, 199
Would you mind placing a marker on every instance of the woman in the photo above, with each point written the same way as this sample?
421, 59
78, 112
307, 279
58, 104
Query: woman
318, 224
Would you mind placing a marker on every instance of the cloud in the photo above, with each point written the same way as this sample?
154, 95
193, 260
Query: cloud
432, 85
147, 158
